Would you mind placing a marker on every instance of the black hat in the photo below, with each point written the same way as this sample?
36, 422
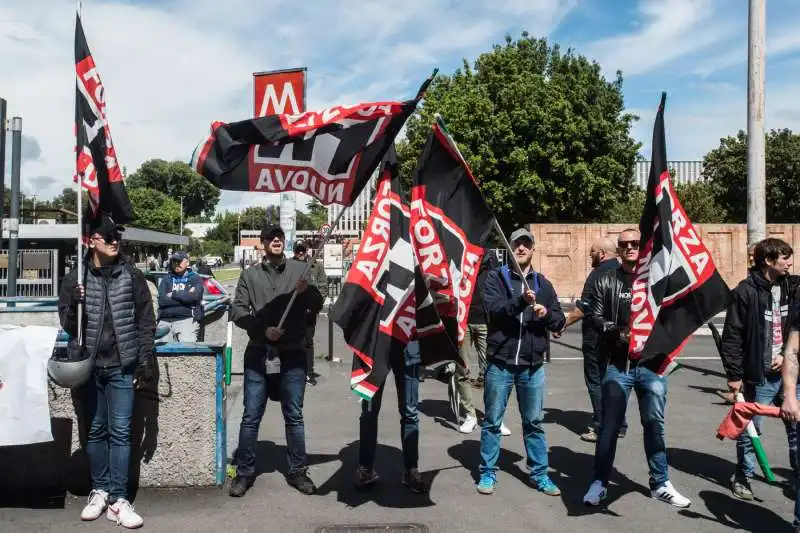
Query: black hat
270, 231
300, 246
104, 225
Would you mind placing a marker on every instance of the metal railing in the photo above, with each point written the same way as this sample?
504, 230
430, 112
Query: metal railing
37, 273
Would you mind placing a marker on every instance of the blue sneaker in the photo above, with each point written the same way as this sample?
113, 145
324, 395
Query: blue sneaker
548, 487
486, 484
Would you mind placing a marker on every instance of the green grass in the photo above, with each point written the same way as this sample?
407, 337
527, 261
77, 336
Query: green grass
227, 275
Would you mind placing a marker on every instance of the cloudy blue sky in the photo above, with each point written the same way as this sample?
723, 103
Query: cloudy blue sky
170, 67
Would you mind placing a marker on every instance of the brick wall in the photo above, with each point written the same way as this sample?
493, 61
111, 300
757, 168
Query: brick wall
562, 250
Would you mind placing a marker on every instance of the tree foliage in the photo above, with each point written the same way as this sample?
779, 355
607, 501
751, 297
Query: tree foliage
725, 168
696, 198
154, 210
545, 134
177, 179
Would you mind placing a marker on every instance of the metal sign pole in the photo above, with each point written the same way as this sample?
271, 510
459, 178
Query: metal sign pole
13, 226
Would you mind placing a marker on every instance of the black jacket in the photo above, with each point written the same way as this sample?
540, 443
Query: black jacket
143, 334
602, 313
516, 336
590, 337
262, 295
744, 337
477, 311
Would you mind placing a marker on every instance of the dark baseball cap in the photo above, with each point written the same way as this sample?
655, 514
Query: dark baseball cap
300, 246
104, 225
521, 233
270, 231
179, 255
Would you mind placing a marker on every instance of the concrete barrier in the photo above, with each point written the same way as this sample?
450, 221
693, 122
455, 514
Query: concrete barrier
179, 437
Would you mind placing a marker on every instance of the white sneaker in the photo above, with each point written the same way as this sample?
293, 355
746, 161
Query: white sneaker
504, 431
469, 425
123, 514
668, 494
98, 501
595, 494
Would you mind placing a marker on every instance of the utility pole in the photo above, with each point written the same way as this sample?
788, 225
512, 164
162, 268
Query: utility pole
3, 127
181, 216
13, 226
756, 164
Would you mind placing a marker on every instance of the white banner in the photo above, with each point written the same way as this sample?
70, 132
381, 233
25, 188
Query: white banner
24, 401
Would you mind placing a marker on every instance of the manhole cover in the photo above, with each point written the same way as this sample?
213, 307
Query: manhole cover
373, 528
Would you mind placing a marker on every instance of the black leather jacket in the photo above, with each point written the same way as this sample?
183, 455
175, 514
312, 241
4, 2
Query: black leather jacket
602, 312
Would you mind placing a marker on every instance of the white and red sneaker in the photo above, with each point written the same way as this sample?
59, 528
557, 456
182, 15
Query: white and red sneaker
123, 514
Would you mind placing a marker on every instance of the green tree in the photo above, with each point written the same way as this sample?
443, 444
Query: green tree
725, 168
177, 179
154, 210
226, 228
546, 136
317, 213
255, 216
696, 199
700, 204
222, 249
68, 199
629, 209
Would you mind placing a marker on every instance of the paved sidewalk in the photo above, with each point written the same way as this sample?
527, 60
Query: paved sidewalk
700, 468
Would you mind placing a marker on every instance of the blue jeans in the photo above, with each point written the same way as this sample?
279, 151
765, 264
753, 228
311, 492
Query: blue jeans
107, 400
651, 391
291, 389
767, 393
529, 383
406, 379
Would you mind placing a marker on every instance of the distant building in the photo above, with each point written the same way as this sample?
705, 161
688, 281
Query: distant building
355, 217
684, 172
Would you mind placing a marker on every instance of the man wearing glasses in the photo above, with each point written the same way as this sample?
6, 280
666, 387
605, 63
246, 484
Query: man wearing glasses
608, 312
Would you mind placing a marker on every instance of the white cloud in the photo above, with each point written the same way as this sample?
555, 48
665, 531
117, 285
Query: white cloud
171, 67
694, 127
672, 29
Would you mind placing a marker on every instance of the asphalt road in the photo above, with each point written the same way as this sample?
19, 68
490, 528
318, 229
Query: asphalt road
700, 466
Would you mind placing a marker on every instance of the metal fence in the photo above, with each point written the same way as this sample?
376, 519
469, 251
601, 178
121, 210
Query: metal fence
37, 273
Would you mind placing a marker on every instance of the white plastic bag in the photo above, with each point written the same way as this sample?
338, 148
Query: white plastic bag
24, 402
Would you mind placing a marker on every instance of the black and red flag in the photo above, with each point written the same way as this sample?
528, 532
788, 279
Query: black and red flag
377, 308
97, 167
450, 226
677, 287
328, 154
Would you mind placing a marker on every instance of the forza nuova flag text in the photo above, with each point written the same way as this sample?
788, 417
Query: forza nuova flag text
97, 167
450, 225
677, 287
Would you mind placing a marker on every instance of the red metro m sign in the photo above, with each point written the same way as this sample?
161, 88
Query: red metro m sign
279, 91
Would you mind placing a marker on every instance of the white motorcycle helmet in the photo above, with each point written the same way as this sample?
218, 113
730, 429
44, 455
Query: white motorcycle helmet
72, 367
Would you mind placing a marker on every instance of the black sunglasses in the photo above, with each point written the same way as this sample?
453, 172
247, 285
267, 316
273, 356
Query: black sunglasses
109, 238
625, 244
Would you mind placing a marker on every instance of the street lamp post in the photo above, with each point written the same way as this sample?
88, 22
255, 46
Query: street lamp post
756, 164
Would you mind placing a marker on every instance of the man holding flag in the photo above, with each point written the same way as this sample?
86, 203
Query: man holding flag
666, 287
609, 313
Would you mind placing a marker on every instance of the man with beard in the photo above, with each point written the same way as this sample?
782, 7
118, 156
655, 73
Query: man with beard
609, 311
521, 313
603, 255
275, 358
